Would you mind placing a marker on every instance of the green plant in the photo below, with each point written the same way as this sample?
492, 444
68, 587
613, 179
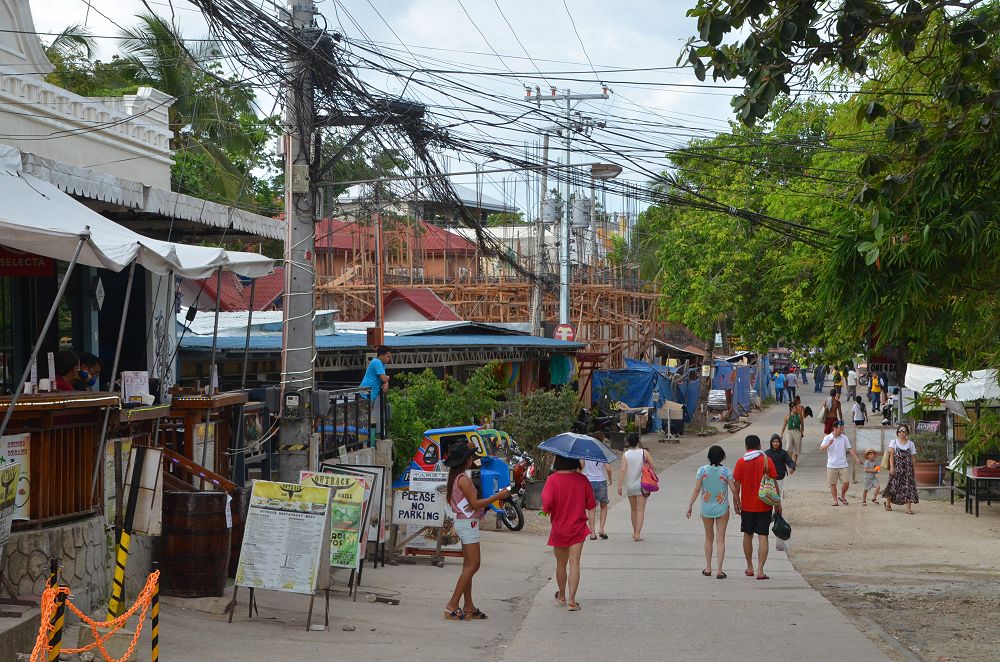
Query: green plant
533, 418
422, 401
931, 447
983, 438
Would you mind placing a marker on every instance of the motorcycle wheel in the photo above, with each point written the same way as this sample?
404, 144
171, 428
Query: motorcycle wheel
512, 516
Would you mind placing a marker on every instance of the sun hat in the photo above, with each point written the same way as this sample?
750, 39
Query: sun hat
458, 454
870, 451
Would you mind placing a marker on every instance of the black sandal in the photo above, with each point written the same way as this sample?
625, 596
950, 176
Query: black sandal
455, 615
476, 615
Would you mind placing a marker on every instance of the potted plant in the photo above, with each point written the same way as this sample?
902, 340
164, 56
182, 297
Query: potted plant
932, 454
631, 431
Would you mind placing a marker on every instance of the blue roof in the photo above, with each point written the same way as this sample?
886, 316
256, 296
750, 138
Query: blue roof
347, 341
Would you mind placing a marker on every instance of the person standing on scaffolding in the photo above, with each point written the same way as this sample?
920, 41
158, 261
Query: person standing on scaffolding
377, 382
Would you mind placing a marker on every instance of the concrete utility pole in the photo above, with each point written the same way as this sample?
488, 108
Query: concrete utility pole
298, 338
567, 130
537, 295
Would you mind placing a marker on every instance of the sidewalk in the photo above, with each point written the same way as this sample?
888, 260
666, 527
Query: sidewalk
649, 599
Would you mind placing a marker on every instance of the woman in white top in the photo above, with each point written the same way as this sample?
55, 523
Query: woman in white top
630, 479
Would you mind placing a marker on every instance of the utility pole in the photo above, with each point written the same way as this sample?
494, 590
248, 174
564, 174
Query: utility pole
298, 337
537, 295
567, 130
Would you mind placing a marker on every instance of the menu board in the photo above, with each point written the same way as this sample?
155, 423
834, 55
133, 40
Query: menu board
285, 537
9, 475
16, 448
347, 510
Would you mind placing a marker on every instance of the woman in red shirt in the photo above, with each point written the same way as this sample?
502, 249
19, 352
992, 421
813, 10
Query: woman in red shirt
566, 498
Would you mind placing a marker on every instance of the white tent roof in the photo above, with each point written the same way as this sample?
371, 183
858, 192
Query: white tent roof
976, 385
37, 217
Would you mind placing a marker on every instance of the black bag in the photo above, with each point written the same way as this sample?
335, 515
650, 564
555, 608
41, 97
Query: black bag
781, 529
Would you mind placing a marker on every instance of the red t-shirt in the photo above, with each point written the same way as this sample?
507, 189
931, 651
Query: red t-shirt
567, 497
748, 475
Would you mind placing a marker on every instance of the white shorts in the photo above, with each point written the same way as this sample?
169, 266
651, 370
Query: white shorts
467, 530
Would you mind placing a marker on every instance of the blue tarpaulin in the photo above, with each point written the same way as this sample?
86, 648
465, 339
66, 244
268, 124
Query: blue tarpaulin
736, 378
686, 394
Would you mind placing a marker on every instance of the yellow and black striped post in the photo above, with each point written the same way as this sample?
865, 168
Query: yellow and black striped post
154, 619
59, 617
125, 535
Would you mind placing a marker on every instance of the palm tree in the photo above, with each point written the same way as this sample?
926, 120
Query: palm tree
75, 41
216, 130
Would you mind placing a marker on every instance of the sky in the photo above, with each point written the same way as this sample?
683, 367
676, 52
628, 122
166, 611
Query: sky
649, 112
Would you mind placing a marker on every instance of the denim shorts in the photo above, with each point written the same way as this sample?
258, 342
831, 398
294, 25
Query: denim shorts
600, 490
467, 530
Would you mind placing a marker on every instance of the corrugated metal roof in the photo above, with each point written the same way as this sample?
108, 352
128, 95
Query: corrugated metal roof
358, 341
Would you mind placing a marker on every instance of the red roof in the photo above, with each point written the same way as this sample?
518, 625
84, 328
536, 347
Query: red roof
423, 300
236, 296
335, 235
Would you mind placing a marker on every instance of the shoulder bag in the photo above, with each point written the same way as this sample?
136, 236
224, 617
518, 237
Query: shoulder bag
649, 482
768, 492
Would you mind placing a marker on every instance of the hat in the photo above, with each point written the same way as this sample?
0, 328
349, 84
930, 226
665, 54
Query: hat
457, 455
870, 451
838, 424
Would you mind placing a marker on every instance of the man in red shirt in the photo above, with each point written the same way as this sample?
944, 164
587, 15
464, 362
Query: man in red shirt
755, 514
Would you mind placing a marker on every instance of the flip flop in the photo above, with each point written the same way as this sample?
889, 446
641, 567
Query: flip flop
706, 573
573, 607
561, 603
602, 536
748, 573
759, 577
865, 503
843, 501
721, 575
835, 504
454, 615
593, 537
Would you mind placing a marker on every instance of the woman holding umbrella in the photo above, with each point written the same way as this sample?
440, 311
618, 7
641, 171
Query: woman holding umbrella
566, 498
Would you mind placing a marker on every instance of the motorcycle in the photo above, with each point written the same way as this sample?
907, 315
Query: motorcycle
587, 422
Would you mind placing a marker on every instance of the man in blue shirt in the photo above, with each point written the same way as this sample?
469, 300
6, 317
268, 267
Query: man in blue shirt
376, 380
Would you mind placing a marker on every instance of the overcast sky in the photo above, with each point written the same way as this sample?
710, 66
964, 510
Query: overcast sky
622, 33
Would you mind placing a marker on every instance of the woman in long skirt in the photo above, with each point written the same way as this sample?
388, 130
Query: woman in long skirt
902, 485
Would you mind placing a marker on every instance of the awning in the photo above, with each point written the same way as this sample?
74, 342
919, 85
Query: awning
975, 385
35, 216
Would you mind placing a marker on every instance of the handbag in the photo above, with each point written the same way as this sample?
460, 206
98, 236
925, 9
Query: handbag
823, 411
781, 529
649, 482
885, 458
768, 492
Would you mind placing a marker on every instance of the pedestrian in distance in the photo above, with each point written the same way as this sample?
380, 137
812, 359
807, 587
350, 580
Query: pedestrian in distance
755, 515
834, 412
783, 462
859, 414
712, 486
901, 488
818, 379
838, 381
779, 386
791, 383
599, 475
875, 388
630, 482
793, 428
871, 477
467, 509
837, 446
804, 374
852, 383
566, 498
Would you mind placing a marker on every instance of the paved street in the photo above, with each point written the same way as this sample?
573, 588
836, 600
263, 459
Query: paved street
648, 600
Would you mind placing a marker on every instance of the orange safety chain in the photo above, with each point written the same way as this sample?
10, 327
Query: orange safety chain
50, 601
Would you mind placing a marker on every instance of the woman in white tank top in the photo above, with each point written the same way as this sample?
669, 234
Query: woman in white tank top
630, 480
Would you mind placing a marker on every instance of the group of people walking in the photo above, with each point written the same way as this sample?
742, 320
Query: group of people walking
577, 491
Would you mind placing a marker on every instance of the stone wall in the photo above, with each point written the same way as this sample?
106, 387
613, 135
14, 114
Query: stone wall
82, 550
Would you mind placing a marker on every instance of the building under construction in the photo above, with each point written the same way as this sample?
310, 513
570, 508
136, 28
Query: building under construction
611, 309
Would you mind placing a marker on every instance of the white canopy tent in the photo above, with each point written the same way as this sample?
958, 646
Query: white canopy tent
968, 386
39, 218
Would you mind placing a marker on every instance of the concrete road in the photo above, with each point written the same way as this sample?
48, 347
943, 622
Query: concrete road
649, 600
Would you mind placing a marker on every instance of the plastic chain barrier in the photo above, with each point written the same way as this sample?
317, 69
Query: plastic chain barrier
53, 596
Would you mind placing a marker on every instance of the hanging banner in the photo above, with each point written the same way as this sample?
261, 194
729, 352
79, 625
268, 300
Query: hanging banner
347, 509
9, 475
286, 539
15, 448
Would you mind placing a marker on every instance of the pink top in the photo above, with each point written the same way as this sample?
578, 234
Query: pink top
567, 497
460, 505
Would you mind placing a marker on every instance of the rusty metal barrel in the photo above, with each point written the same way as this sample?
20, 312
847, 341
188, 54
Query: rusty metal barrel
194, 552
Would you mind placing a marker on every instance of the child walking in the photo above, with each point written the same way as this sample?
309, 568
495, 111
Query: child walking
871, 476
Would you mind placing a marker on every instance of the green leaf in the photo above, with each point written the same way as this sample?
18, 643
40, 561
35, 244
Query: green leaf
871, 256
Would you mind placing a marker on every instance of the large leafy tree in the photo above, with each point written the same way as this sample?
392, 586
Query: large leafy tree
914, 254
